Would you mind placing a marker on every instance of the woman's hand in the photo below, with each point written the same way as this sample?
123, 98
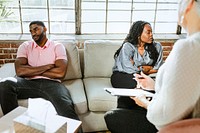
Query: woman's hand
146, 69
141, 101
144, 81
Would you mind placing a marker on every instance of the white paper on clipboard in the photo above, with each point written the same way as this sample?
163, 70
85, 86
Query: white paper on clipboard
128, 92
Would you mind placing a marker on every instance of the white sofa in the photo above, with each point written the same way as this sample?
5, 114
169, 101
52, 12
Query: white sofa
89, 71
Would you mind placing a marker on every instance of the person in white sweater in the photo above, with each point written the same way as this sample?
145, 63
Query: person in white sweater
177, 84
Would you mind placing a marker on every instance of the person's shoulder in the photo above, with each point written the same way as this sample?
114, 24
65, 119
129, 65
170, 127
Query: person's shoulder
188, 43
129, 45
182, 43
27, 43
182, 46
55, 43
157, 43
193, 39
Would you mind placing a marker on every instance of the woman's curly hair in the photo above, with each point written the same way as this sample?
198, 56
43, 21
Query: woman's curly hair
132, 37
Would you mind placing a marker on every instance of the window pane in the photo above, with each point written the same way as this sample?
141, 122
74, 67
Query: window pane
33, 10
165, 1
91, 16
26, 27
146, 1
118, 27
93, 28
166, 17
171, 16
62, 3
33, 3
34, 14
119, 6
144, 6
10, 27
144, 15
93, 5
62, 15
165, 27
119, 16
121, 0
10, 21
167, 6
62, 27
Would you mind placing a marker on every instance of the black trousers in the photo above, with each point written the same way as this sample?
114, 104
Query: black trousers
128, 121
128, 117
124, 80
15, 88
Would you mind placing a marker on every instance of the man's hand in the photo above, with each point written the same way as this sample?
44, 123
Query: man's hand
59, 70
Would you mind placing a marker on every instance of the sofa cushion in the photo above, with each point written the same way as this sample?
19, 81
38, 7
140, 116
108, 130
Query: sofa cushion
7, 70
98, 57
77, 92
98, 98
73, 69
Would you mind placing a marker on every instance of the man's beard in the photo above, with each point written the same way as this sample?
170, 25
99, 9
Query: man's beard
40, 38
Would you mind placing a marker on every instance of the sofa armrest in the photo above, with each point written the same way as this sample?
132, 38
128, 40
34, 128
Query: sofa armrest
7, 70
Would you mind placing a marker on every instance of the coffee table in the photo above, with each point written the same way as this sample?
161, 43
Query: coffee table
6, 122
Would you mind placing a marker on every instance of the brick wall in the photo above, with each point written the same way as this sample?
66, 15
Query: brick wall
8, 50
167, 47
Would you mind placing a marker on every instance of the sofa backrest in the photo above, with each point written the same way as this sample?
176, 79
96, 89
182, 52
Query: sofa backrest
74, 69
98, 57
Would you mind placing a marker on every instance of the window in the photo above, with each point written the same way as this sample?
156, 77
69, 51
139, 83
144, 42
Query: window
58, 16
90, 16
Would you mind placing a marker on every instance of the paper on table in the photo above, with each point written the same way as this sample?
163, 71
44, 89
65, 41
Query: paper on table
128, 92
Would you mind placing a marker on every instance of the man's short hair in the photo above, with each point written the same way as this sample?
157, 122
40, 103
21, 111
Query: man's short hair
38, 23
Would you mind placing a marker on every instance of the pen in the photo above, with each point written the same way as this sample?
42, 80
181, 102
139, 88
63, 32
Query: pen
140, 77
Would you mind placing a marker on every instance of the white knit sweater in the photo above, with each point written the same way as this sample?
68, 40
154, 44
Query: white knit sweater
177, 83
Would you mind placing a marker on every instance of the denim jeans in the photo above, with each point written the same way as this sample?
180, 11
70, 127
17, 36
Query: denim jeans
19, 88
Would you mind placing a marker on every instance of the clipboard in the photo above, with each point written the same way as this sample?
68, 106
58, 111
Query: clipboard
128, 92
